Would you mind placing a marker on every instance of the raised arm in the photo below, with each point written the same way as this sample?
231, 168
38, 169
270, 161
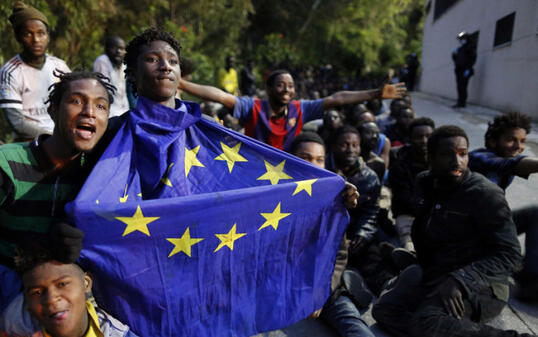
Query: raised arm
388, 91
208, 93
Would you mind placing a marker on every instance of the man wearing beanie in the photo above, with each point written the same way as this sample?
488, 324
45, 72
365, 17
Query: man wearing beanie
25, 78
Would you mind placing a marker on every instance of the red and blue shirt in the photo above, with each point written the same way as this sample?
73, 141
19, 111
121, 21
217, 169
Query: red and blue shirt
276, 131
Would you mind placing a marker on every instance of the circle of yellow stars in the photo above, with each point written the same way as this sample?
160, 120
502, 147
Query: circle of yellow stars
274, 173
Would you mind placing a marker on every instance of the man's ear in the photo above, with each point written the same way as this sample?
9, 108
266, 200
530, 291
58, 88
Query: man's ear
53, 112
87, 283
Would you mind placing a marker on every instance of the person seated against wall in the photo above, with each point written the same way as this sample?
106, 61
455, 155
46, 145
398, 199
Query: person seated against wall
500, 161
407, 163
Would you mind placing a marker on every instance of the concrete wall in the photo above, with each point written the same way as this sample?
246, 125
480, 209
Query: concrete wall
506, 77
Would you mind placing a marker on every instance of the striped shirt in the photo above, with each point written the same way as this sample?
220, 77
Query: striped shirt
33, 193
26, 88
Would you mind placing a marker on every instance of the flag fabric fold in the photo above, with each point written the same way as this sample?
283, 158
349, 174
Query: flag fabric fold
194, 230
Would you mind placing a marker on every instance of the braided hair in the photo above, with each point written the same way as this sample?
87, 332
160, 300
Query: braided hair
59, 88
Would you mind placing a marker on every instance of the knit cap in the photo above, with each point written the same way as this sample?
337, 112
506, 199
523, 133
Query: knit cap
23, 12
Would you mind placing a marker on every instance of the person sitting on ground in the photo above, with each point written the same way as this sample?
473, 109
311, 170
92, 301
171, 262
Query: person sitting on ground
110, 64
277, 120
382, 149
25, 78
500, 161
58, 295
387, 119
407, 163
466, 247
369, 143
332, 120
399, 131
341, 310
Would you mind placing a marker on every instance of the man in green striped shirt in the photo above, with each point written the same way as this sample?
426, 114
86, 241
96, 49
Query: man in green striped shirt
37, 179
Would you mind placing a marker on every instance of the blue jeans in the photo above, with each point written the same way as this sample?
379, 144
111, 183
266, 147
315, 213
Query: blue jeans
345, 318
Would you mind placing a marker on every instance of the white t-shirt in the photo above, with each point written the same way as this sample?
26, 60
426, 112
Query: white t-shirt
103, 65
26, 88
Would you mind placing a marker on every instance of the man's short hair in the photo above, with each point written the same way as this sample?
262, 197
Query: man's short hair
397, 105
421, 121
57, 89
134, 47
445, 131
273, 75
342, 130
304, 137
111, 40
33, 255
506, 122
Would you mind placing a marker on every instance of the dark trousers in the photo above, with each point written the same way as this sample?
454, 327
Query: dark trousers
526, 220
345, 318
462, 81
405, 310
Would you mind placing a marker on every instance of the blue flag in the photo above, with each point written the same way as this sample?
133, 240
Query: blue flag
195, 230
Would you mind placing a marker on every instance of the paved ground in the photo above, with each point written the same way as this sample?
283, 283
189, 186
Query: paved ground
473, 119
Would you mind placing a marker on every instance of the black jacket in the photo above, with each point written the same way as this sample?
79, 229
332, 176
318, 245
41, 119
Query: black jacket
402, 174
466, 232
364, 216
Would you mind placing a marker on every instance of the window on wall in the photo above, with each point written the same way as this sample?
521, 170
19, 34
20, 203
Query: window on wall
442, 6
504, 29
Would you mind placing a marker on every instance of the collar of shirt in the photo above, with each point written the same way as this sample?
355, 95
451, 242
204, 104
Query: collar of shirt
94, 330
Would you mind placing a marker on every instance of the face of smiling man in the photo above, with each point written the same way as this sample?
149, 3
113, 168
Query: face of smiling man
55, 294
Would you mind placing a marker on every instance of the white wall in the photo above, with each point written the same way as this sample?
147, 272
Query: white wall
506, 78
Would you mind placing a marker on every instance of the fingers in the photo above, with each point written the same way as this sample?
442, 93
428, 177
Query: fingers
350, 195
460, 307
450, 307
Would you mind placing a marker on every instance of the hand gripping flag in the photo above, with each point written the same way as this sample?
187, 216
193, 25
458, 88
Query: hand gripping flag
194, 230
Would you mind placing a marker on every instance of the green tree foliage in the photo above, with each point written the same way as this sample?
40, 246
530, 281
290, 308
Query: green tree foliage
353, 35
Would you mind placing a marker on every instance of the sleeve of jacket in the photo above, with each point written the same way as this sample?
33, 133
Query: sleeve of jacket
364, 216
494, 220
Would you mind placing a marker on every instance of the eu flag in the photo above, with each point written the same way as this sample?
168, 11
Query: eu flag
195, 230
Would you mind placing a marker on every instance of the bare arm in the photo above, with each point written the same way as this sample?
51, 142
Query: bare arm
385, 153
208, 93
526, 166
388, 91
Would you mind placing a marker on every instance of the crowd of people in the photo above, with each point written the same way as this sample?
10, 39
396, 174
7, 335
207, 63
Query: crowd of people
431, 235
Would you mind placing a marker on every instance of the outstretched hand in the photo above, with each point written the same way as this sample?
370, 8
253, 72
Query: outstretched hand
392, 91
350, 195
451, 297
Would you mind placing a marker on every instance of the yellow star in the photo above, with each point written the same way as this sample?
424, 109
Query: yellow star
230, 155
274, 173
183, 244
165, 179
272, 219
228, 238
191, 160
137, 222
304, 185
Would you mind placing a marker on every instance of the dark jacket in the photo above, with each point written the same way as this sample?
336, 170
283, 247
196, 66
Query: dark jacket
466, 232
464, 57
402, 174
364, 216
